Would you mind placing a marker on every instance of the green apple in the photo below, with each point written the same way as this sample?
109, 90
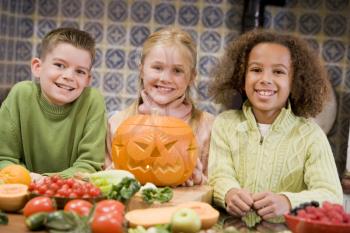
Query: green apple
185, 220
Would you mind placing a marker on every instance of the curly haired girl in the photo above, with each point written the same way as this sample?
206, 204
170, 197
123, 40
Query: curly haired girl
268, 156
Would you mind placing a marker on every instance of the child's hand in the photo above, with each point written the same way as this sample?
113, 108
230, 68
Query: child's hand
36, 177
238, 202
197, 177
269, 205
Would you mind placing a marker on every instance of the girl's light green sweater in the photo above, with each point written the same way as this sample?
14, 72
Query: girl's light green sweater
294, 159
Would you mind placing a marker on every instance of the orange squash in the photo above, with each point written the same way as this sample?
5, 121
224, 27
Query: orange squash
157, 149
15, 174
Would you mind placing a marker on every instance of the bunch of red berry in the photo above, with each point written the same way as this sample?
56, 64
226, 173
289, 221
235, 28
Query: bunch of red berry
328, 213
56, 186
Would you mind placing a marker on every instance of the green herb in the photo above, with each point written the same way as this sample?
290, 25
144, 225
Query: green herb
3, 218
150, 195
124, 190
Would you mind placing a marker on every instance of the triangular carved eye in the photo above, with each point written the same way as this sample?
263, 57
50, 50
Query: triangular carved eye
169, 145
142, 145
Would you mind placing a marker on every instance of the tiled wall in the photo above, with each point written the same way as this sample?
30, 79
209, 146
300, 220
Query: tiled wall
120, 27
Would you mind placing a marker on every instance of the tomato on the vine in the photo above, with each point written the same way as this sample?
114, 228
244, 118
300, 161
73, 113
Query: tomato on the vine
107, 223
107, 206
81, 207
39, 204
108, 217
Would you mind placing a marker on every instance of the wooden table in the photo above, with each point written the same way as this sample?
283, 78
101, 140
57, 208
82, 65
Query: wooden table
16, 225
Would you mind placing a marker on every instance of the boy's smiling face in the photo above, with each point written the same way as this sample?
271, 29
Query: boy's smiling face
64, 73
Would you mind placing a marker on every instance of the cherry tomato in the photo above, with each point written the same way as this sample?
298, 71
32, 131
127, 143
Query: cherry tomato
108, 206
80, 207
39, 204
107, 223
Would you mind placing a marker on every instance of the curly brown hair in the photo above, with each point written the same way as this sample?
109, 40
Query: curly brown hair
310, 84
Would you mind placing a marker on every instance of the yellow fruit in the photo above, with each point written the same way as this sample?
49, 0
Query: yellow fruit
15, 174
13, 197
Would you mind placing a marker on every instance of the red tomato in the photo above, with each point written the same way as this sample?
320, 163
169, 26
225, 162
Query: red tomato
108, 206
80, 207
107, 223
39, 204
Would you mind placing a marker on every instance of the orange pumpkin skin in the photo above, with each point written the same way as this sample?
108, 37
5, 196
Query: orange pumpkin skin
157, 149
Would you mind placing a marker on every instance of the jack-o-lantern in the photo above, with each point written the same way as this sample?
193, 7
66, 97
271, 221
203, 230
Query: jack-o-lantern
157, 149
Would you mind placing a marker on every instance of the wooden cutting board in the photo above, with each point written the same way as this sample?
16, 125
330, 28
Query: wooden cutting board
202, 193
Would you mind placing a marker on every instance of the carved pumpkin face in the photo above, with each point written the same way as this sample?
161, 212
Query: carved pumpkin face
157, 149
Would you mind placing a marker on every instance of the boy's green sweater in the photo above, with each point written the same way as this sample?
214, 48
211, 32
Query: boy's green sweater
47, 138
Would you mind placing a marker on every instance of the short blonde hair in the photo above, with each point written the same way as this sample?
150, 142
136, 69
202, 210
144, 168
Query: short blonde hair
78, 38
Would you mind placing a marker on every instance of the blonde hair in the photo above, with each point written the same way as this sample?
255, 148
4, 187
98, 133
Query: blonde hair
174, 36
78, 38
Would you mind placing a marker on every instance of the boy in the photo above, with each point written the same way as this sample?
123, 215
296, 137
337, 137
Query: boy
58, 124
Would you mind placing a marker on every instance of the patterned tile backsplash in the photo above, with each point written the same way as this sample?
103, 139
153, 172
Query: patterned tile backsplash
120, 27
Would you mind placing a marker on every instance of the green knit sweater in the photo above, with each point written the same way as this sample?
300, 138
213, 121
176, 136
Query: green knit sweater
294, 159
47, 138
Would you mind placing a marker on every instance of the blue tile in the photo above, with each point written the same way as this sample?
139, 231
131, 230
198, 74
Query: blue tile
335, 25
202, 90
141, 11
134, 59
310, 24
96, 79
285, 21
129, 101
71, 8
206, 63
138, 35
117, 10
230, 37
27, 7
213, 1
3, 24
2, 50
11, 26
165, 13
95, 29
132, 84
116, 34
94, 9
267, 18
336, 5
113, 103
10, 50
115, 58
45, 26
25, 27
23, 50
333, 51
48, 7
335, 74
212, 17
70, 24
311, 4
22, 72
210, 41
113, 82
347, 78
98, 58
188, 15
233, 18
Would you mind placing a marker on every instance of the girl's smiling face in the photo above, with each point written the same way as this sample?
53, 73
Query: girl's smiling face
166, 73
268, 80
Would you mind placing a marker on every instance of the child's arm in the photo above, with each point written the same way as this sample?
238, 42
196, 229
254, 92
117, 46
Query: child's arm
320, 176
91, 150
222, 174
10, 141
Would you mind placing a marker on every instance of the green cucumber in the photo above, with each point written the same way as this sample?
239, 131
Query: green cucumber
36, 221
